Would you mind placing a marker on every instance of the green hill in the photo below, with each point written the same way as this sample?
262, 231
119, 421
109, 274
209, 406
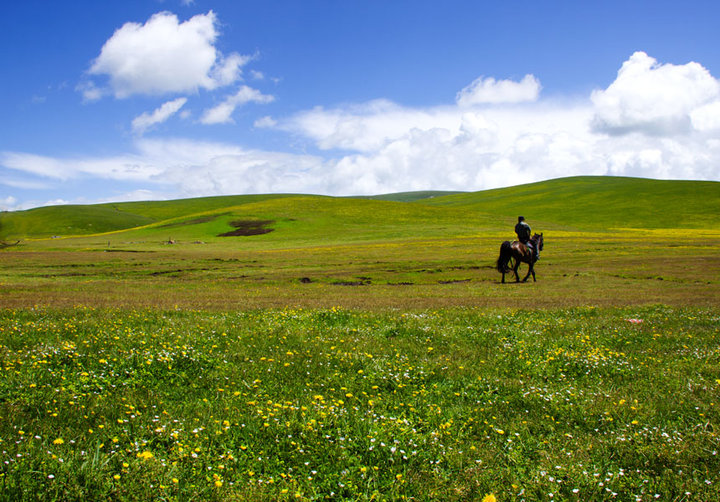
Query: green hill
99, 218
600, 202
315, 220
67, 220
578, 203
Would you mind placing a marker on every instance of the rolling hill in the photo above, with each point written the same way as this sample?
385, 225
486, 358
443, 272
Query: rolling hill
601, 202
578, 203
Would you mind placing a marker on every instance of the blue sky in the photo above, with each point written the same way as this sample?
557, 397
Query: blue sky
113, 101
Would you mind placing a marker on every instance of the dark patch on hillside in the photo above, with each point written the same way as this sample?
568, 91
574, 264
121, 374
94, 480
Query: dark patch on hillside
249, 227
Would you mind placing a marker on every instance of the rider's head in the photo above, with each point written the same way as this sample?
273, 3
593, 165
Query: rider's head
521, 218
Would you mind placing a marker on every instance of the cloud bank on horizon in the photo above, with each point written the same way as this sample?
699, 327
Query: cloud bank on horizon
656, 119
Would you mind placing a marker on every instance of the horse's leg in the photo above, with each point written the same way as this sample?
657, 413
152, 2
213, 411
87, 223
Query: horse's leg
530, 271
528, 274
515, 270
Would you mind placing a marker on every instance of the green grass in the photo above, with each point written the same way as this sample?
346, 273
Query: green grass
368, 254
364, 349
581, 203
67, 220
601, 202
452, 404
100, 218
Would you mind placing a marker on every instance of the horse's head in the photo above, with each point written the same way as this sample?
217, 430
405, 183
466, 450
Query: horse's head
538, 240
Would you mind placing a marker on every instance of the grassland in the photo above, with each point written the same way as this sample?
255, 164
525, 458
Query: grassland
451, 404
364, 349
362, 253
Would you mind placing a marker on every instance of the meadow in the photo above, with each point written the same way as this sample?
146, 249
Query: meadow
453, 404
364, 348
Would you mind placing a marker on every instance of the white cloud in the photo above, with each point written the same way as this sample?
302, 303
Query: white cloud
265, 122
475, 150
163, 56
365, 127
143, 122
657, 99
228, 69
222, 113
706, 117
381, 146
8, 203
25, 184
490, 91
90, 91
185, 168
127, 167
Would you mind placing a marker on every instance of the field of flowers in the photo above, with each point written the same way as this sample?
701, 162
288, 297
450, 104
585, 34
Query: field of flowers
455, 404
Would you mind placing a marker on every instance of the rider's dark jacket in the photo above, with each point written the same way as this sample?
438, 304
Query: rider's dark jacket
523, 231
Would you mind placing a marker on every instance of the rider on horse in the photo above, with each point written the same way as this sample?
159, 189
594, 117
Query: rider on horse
522, 229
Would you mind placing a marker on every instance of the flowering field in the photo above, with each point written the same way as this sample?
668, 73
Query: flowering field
455, 404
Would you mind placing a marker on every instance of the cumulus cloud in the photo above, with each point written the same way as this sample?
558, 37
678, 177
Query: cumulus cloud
364, 127
485, 91
707, 117
478, 149
222, 113
381, 146
163, 56
657, 99
460, 147
143, 122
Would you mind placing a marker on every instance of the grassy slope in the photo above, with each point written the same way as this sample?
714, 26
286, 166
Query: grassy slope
585, 203
67, 220
601, 202
165, 210
311, 220
98, 218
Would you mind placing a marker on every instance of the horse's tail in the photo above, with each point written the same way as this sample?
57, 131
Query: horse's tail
504, 258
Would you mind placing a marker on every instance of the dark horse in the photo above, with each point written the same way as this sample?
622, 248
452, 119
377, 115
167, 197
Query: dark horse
514, 253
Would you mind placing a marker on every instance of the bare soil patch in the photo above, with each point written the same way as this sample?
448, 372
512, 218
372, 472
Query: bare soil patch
249, 227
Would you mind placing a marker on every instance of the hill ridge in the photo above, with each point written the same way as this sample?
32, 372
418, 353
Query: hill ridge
572, 203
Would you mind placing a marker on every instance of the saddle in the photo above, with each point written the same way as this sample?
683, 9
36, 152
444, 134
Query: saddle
530, 246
